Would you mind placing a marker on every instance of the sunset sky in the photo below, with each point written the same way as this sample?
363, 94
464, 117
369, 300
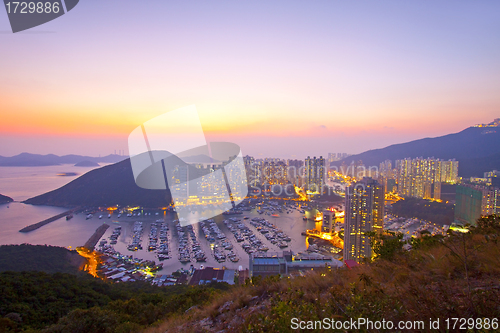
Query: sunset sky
280, 78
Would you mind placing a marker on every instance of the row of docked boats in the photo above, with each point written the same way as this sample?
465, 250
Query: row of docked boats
130, 214
114, 236
162, 249
233, 212
113, 239
242, 233
183, 249
211, 231
271, 232
274, 211
136, 241
221, 244
189, 247
153, 237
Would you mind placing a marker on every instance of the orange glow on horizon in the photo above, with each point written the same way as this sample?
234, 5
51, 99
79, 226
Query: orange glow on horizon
21, 118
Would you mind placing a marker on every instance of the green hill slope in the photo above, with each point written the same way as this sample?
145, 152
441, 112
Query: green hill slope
43, 258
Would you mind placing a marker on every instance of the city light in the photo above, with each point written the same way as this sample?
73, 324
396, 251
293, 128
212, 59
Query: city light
300, 193
93, 260
333, 238
393, 196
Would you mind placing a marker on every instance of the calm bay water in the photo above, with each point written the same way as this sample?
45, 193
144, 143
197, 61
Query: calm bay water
16, 216
24, 182
21, 183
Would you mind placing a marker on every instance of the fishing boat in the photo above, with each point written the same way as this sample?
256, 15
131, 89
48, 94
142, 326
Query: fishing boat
232, 212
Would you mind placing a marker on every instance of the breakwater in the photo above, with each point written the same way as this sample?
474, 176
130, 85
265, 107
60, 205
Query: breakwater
91, 243
47, 221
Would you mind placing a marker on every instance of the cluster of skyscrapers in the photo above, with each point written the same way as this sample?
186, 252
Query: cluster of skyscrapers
206, 183
418, 177
309, 173
365, 199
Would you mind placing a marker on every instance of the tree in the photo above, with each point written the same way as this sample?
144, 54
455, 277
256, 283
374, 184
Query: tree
386, 246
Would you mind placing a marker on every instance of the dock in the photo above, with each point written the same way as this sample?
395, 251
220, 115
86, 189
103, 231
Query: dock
91, 243
47, 221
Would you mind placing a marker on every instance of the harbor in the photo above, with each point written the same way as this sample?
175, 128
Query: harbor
220, 241
223, 241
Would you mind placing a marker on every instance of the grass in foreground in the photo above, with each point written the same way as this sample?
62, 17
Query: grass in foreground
456, 276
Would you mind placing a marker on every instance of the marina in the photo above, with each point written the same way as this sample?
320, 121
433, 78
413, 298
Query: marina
220, 241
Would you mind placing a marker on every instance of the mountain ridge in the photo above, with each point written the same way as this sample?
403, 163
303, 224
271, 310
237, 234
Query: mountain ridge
465, 146
28, 159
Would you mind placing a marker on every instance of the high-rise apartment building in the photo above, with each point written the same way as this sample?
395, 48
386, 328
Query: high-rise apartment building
364, 212
437, 190
295, 171
274, 171
418, 177
493, 177
385, 169
474, 201
252, 170
179, 181
328, 221
449, 172
385, 174
315, 174
491, 201
332, 157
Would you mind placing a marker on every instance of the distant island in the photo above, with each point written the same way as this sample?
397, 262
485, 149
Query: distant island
5, 199
87, 164
27, 159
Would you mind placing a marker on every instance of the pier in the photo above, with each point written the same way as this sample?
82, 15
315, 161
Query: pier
91, 243
47, 221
